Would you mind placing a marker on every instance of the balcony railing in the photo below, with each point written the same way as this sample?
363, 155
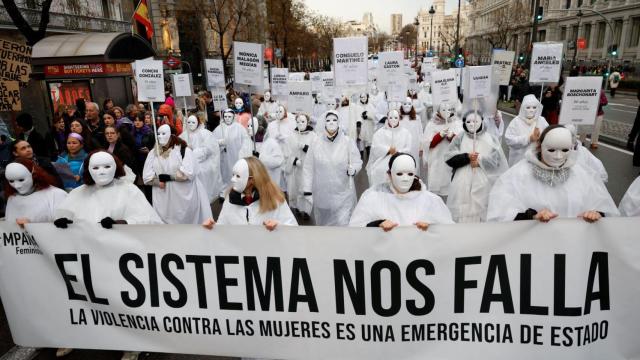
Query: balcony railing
69, 22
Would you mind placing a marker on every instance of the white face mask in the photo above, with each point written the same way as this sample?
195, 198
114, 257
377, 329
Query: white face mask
302, 122
238, 103
556, 147
446, 111
393, 119
280, 113
240, 176
363, 98
164, 134
403, 173
412, 92
228, 118
19, 177
374, 90
102, 167
407, 105
267, 96
192, 123
473, 122
251, 125
331, 124
331, 104
530, 111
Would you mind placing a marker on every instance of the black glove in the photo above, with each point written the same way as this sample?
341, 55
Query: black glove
62, 223
164, 177
305, 148
107, 222
383, 120
364, 115
256, 154
630, 145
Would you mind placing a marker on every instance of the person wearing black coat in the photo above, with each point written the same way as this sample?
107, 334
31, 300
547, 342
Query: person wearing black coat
22, 149
28, 133
634, 140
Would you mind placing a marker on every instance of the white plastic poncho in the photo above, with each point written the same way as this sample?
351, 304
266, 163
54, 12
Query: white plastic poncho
325, 176
381, 105
294, 173
235, 139
37, 207
630, 203
519, 130
236, 213
119, 200
383, 140
273, 159
206, 151
279, 131
184, 200
438, 172
268, 110
532, 185
368, 125
589, 161
416, 131
469, 190
381, 203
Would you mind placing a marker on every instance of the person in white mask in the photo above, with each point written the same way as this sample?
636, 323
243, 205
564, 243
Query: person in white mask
329, 169
178, 196
297, 148
549, 184
630, 203
268, 107
477, 160
363, 117
30, 193
243, 115
436, 139
231, 138
254, 199
269, 152
585, 158
331, 103
418, 105
424, 96
402, 200
524, 129
319, 108
379, 100
387, 141
280, 130
206, 152
410, 120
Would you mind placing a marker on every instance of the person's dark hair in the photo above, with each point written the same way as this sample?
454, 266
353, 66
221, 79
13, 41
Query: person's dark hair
464, 120
14, 146
106, 101
41, 179
412, 113
544, 134
86, 175
111, 113
25, 121
86, 133
175, 140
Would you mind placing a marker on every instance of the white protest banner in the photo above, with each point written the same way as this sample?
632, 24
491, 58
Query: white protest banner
300, 98
279, 81
316, 82
219, 96
566, 289
350, 64
296, 76
182, 85
149, 80
215, 73
10, 99
502, 62
328, 85
247, 64
390, 68
479, 81
546, 62
15, 61
444, 87
580, 100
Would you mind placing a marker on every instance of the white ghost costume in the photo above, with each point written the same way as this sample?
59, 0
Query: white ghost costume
565, 189
391, 135
357, 110
379, 101
206, 151
279, 131
34, 205
630, 203
424, 95
469, 190
268, 107
325, 176
585, 158
398, 203
444, 126
270, 154
232, 138
522, 126
298, 146
184, 199
108, 197
414, 127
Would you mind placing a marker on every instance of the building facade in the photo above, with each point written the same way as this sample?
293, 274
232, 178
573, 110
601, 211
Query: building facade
438, 32
396, 24
366, 27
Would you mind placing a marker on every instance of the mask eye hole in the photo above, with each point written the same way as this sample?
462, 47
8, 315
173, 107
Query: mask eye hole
410, 174
565, 150
551, 150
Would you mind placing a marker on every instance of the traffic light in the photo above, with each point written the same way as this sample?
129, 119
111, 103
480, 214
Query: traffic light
521, 58
614, 50
539, 13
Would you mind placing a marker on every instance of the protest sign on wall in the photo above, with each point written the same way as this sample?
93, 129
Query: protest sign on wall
328, 85
279, 81
149, 80
350, 64
546, 62
248, 64
566, 289
444, 86
215, 73
502, 62
479, 80
15, 61
10, 96
300, 98
580, 100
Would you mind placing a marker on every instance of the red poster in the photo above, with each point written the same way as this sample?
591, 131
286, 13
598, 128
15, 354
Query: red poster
66, 93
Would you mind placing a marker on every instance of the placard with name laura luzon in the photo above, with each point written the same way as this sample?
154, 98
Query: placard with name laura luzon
546, 62
580, 100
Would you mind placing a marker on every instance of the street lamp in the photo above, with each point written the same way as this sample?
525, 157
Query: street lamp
575, 39
432, 11
406, 41
416, 23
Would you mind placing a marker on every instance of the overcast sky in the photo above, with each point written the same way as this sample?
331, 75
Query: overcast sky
381, 9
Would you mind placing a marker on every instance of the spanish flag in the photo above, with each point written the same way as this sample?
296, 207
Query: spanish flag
141, 15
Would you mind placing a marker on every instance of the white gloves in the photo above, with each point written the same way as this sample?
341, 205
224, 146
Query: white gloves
222, 142
351, 171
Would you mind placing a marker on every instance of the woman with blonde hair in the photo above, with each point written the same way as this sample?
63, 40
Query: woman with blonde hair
254, 199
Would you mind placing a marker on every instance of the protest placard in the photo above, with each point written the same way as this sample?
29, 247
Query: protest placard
300, 98
215, 73
502, 62
444, 87
10, 95
580, 100
350, 61
279, 81
149, 80
15, 61
546, 62
248, 64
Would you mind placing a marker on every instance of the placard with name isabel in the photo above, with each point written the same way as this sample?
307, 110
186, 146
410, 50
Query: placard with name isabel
444, 86
546, 62
580, 100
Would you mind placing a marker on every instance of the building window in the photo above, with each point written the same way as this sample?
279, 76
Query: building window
617, 30
542, 35
567, 4
563, 33
635, 32
602, 28
580, 3
574, 32
586, 33
105, 9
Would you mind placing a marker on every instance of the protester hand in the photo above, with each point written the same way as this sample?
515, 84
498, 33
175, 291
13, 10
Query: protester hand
162, 185
392, 150
270, 224
209, 223
297, 162
422, 225
351, 171
474, 159
222, 142
365, 115
450, 134
107, 222
164, 178
443, 132
62, 223
590, 216
388, 225
144, 150
545, 215
535, 135
22, 221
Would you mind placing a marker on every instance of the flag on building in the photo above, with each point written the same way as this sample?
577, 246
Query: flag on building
141, 16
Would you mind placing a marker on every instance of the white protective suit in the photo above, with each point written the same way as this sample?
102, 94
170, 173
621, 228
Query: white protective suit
520, 128
379, 101
325, 176
383, 140
37, 207
235, 139
120, 200
236, 212
469, 190
206, 152
272, 158
279, 131
438, 172
298, 147
630, 203
368, 125
530, 184
414, 127
268, 110
424, 95
184, 200
590, 162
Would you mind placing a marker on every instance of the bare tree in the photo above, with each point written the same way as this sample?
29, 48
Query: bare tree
32, 36
409, 35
